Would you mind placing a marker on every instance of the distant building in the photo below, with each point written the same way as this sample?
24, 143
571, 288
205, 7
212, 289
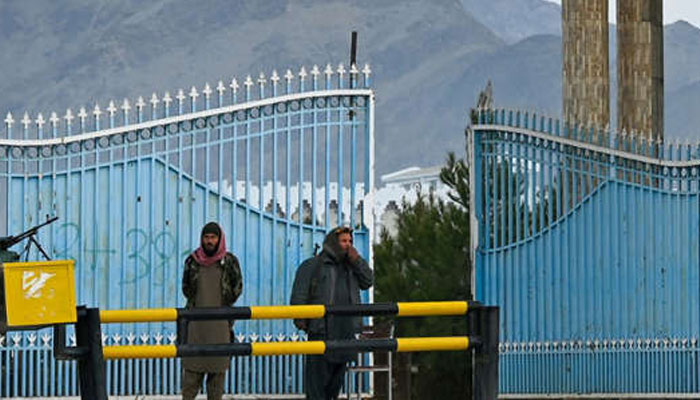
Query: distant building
423, 179
404, 185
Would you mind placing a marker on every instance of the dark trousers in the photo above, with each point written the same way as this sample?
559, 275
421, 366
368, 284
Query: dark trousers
192, 382
323, 379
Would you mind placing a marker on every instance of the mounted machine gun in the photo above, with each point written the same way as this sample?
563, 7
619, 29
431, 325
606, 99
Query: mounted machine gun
6, 242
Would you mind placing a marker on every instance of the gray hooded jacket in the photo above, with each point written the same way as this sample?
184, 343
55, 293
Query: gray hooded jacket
330, 278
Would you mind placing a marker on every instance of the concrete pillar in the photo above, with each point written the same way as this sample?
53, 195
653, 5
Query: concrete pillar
640, 70
586, 76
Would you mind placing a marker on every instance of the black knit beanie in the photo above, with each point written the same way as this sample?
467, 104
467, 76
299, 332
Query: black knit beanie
211, 227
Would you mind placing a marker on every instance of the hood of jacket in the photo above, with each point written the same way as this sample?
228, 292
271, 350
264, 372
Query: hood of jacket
331, 246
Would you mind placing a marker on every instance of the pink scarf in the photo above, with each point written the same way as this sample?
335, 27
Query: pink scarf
204, 260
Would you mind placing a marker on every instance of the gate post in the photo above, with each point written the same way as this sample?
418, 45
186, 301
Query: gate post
485, 360
91, 367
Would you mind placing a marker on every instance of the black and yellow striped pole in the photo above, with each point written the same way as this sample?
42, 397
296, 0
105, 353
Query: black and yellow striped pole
453, 343
401, 309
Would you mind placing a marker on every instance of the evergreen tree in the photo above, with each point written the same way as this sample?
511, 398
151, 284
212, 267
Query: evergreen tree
428, 260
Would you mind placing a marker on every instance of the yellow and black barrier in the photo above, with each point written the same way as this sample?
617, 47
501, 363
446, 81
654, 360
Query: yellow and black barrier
400, 309
453, 343
482, 324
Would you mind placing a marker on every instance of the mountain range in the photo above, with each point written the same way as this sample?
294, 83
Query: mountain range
430, 58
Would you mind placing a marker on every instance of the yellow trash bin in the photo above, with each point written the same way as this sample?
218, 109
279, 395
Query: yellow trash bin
38, 293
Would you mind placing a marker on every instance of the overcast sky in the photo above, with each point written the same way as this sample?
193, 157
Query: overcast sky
688, 10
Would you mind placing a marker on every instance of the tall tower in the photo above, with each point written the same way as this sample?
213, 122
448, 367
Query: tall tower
640, 70
586, 80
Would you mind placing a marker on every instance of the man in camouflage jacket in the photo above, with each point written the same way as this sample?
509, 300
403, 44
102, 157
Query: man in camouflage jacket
207, 269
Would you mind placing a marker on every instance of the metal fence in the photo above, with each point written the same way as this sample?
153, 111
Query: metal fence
277, 161
589, 242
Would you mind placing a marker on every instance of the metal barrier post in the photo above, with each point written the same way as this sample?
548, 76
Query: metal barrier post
91, 367
485, 360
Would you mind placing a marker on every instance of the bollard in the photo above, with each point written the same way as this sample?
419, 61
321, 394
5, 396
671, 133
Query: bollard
91, 367
485, 325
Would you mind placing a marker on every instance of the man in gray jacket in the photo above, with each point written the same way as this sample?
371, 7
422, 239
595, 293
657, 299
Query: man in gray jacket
334, 277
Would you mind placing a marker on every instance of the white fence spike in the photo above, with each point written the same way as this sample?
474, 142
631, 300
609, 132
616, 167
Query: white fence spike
220, 88
26, 121
289, 75
111, 108
207, 90
328, 71
140, 103
248, 82
193, 93
367, 71
40, 121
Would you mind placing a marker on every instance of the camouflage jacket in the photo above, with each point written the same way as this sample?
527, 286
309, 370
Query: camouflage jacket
231, 280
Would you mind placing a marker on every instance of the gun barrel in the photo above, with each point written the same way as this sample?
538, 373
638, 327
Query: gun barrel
10, 241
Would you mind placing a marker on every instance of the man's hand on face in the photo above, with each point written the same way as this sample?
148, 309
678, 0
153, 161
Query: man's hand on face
353, 255
345, 243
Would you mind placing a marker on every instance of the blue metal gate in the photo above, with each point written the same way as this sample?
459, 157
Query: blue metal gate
277, 161
589, 243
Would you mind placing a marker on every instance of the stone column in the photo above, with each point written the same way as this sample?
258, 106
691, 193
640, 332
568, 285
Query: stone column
640, 70
586, 80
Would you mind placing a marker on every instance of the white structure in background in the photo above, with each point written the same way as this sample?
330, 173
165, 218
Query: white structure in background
399, 186
252, 197
403, 185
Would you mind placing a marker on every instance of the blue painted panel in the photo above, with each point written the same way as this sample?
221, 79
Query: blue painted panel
593, 254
